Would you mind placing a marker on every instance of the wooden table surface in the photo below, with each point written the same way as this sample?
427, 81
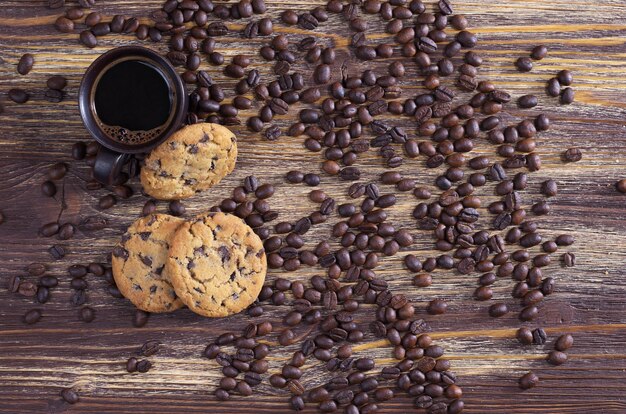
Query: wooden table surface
36, 362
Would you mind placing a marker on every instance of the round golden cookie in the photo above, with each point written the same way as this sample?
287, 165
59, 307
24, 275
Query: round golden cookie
217, 264
139, 263
193, 159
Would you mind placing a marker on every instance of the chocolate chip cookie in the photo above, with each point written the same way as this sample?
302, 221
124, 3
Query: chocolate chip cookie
217, 264
193, 159
139, 263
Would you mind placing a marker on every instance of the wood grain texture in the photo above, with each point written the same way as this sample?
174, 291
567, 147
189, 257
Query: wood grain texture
588, 37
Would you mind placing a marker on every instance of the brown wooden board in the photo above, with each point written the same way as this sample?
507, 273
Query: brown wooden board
37, 361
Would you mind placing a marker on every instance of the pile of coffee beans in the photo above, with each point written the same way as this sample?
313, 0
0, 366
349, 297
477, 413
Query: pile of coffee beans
343, 114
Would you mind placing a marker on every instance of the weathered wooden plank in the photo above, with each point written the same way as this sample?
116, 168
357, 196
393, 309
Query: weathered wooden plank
35, 362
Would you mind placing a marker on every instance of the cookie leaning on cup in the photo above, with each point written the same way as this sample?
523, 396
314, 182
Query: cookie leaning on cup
193, 159
138, 263
217, 264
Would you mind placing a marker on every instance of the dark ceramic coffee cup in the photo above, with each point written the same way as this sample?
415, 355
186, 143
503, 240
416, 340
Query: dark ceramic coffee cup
116, 143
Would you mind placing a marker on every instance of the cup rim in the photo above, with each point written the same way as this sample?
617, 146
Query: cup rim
87, 84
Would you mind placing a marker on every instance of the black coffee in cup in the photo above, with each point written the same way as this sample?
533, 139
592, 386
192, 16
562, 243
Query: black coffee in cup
132, 101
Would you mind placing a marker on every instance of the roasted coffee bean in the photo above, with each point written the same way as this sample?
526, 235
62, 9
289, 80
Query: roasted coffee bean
18, 95
131, 364
540, 208
48, 189
131, 25
295, 387
176, 208
32, 316
322, 74
264, 191
529, 313
277, 381
525, 336
564, 240
527, 101
557, 357
63, 25
221, 394
350, 174
539, 52
565, 77
87, 314
27, 289
564, 342
569, 259
278, 106
445, 7
297, 403
117, 23
49, 229
528, 380
426, 44
79, 149
107, 202
150, 348
250, 184
572, 155
144, 366
273, 133
539, 336
549, 188
424, 401
567, 96
25, 64
498, 309
364, 364
286, 337
93, 19
88, 39
524, 64
69, 395
234, 71
57, 252
553, 87
101, 29
437, 307
308, 21
318, 395
500, 96
328, 406
289, 17
140, 318
13, 284
66, 231
52, 95
123, 191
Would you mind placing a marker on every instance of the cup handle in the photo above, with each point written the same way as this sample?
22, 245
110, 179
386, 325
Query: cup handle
108, 165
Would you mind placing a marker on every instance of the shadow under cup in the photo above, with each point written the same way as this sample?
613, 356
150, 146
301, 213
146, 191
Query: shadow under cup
131, 99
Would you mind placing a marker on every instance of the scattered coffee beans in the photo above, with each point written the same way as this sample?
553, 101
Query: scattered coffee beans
25, 65
345, 116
